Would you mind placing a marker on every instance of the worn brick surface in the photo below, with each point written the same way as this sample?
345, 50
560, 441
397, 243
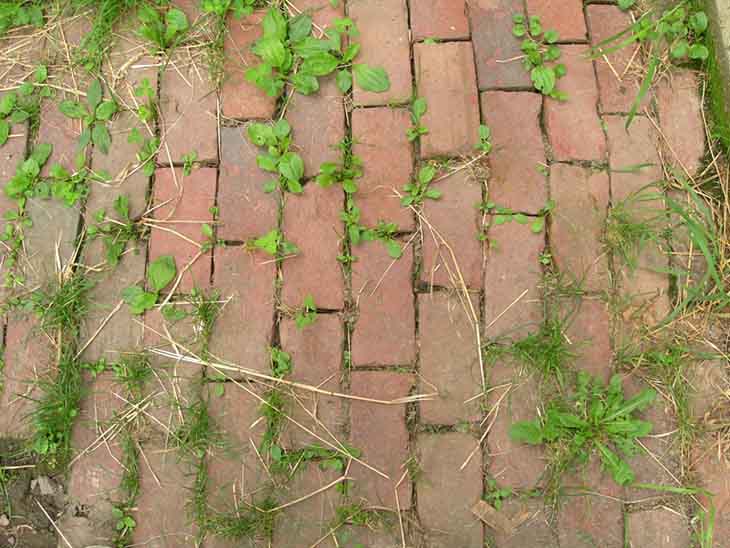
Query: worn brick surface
456, 222
579, 111
708, 380
160, 511
245, 210
443, 19
680, 114
374, 538
564, 16
185, 199
239, 98
316, 353
662, 528
617, 84
385, 329
243, 331
384, 40
449, 360
592, 514
577, 224
713, 473
513, 464
379, 431
446, 493
315, 270
28, 357
513, 266
494, 43
318, 123
637, 146
12, 153
535, 531
380, 141
446, 79
589, 333
322, 11
518, 151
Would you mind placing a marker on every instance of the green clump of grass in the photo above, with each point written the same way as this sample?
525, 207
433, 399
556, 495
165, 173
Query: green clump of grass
197, 433
63, 307
133, 371
547, 351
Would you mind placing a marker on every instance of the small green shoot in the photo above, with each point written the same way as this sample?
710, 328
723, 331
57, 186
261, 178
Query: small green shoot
272, 243
541, 52
239, 8
116, 233
418, 109
485, 139
160, 273
306, 314
166, 31
94, 114
347, 173
418, 190
287, 165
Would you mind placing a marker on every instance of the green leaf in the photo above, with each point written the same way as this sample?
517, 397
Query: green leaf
93, 94
7, 103
272, 51
619, 469
300, 27
426, 174
551, 36
698, 52
18, 116
371, 78
543, 78
344, 80
4, 132
176, 22
274, 24
41, 153
310, 47
321, 64
698, 22
394, 248
266, 162
538, 225
306, 84
101, 138
281, 129
419, 108
106, 110
161, 272
72, 109
519, 30
260, 134
41, 74
351, 52
291, 166
643, 89
138, 299
528, 432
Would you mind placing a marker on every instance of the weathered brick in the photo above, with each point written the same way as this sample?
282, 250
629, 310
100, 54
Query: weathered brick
457, 220
589, 332
12, 153
617, 83
536, 531
188, 109
446, 79
518, 151
496, 49
165, 484
307, 522
384, 39
680, 115
513, 266
239, 98
637, 146
385, 329
245, 210
449, 360
318, 123
708, 382
384, 537
243, 331
28, 357
316, 353
185, 199
579, 111
514, 464
587, 519
564, 16
379, 431
577, 225
312, 222
322, 11
446, 493
661, 528
441, 19
713, 472
379, 136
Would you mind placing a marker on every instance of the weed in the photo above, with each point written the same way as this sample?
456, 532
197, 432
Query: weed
497, 495
165, 32
159, 275
272, 243
345, 173
20, 13
117, 233
288, 165
204, 309
502, 215
306, 314
239, 8
546, 351
133, 371
62, 308
189, 161
94, 114
23, 105
418, 190
198, 434
540, 50
485, 139
624, 5
418, 109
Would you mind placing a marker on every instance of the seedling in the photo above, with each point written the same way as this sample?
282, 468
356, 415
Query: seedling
541, 52
595, 419
281, 364
418, 109
189, 161
386, 233
165, 33
345, 173
306, 314
272, 243
125, 523
27, 175
19, 14
288, 165
497, 495
546, 351
203, 308
17, 107
624, 5
94, 114
418, 190
197, 434
147, 111
239, 8
159, 275
147, 150
116, 233
287, 45
133, 371
485, 140
503, 215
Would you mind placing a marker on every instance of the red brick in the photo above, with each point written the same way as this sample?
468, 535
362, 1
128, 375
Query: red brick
617, 83
513, 266
712, 470
496, 49
449, 360
441, 19
186, 199
316, 353
564, 16
384, 41
318, 123
518, 150
240, 98
636, 146
579, 111
322, 11
28, 357
160, 509
373, 538
242, 334
379, 431
536, 531
457, 220
312, 222
245, 210
385, 329
592, 514
589, 332
12, 153
188, 108
446, 79
708, 382
446, 493
379, 136
680, 113
577, 224
511, 463
662, 528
